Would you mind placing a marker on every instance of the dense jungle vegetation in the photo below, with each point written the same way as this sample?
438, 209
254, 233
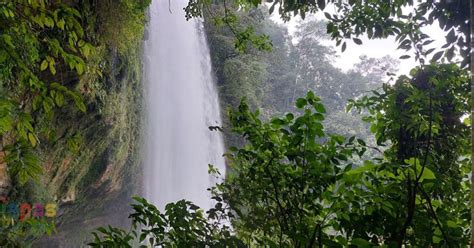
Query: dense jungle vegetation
298, 180
70, 115
272, 81
317, 157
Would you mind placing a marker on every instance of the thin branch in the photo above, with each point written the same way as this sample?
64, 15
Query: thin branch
276, 193
412, 191
313, 236
434, 215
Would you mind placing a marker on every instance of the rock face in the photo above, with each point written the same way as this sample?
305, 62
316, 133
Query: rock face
5, 182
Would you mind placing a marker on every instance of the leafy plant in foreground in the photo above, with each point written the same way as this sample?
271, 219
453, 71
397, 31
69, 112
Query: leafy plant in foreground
42, 51
182, 224
293, 185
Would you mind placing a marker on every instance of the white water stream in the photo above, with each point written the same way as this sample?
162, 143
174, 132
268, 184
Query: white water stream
182, 103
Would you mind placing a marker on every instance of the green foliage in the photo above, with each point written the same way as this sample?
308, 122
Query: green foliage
273, 80
42, 52
293, 185
120, 23
16, 236
23, 162
429, 147
416, 131
29, 80
376, 19
182, 224
240, 85
281, 177
226, 16
52, 55
425, 165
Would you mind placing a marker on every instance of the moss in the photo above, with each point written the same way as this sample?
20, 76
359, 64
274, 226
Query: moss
102, 172
92, 159
97, 167
121, 23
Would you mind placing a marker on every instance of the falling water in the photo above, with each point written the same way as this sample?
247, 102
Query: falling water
182, 103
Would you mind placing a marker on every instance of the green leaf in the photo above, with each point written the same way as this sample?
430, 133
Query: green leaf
301, 102
52, 68
59, 99
343, 47
320, 108
23, 177
32, 139
437, 56
341, 240
373, 128
452, 224
322, 4
278, 121
360, 242
3, 56
80, 104
80, 68
8, 40
427, 174
436, 239
327, 15
368, 166
6, 124
357, 41
272, 8
44, 65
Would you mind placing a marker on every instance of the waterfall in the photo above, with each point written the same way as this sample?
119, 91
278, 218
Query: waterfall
182, 103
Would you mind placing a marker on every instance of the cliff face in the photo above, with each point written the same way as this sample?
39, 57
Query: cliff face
92, 161
94, 183
70, 117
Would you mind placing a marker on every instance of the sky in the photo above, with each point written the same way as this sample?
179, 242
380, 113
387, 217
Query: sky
376, 48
